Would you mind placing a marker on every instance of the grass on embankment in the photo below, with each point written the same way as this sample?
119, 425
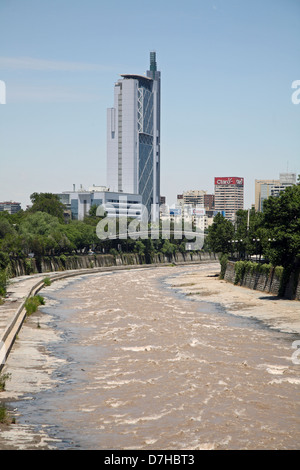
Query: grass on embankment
33, 303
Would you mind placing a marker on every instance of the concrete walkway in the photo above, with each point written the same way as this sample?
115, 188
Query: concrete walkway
12, 311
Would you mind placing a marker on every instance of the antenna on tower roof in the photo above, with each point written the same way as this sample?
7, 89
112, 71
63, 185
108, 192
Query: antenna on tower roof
153, 65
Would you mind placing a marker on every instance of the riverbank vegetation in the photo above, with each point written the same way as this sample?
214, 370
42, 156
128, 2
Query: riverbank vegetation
42, 231
3, 379
33, 303
261, 240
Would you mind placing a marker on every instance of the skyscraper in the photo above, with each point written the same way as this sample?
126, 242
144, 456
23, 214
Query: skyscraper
229, 195
133, 137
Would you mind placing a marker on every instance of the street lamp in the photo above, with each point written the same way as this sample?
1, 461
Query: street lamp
232, 245
256, 240
242, 250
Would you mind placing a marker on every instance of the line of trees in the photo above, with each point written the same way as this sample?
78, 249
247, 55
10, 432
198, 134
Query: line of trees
273, 234
42, 230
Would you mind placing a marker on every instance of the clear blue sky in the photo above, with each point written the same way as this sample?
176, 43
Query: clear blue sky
227, 70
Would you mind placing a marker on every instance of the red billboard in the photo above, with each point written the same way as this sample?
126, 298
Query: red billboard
229, 180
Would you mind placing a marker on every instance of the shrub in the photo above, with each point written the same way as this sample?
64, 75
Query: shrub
32, 304
63, 260
239, 269
265, 268
3, 414
254, 267
4, 260
3, 282
223, 263
279, 272
248, 266
29, 268
47, 281
3, 379
242, 267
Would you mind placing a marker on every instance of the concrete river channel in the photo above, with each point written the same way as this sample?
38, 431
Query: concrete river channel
135, 360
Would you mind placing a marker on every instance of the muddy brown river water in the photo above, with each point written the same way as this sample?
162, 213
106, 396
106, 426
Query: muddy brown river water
137, 365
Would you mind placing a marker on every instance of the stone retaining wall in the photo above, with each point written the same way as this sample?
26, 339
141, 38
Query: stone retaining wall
21, 267
265, 282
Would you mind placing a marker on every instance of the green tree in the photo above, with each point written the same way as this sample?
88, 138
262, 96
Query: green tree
220, 234
81, 236
5, 227
9, 237
139, 247
92, 218
49, 203
168, 248
281, 219
249, 232
4, 263
42, 234
149, 250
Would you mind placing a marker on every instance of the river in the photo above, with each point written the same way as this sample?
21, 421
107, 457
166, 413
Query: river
139, 365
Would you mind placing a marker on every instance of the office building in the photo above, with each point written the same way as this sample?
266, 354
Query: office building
263, 191
285, 180
79, 202
192, 197
209, 202
10, 207
229, 196
133, 137
267, 188
196, 198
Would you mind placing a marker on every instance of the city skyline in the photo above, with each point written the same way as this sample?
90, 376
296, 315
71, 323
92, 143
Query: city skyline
227, 104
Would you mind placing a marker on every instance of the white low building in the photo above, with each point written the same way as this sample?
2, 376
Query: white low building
113, 203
